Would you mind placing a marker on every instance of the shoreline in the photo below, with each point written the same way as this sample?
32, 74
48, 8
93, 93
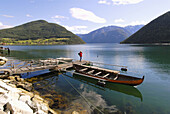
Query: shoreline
19, 96
16, 96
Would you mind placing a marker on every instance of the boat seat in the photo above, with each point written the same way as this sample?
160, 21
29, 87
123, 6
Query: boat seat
90, 72
106, 75
116, 77
83, 69
97, 73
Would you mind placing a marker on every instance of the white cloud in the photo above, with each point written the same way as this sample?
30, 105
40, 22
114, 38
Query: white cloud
28, 15
95, 99
138, 23
2, 26
119, 2
119, 20
133, 23
82, 14
104, 2
77, 29
58, 17
125, 2
9, 16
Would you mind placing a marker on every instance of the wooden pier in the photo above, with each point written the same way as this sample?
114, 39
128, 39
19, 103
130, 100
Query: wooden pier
32, 66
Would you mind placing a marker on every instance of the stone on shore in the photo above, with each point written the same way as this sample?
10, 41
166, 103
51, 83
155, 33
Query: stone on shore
21, 100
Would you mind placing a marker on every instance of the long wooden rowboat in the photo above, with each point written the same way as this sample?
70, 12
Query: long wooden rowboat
106, 75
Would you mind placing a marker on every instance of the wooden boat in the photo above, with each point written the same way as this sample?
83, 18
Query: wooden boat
106, 75
3, 60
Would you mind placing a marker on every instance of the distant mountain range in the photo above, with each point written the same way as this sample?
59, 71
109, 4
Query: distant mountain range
110, 34
157, 31
38, 32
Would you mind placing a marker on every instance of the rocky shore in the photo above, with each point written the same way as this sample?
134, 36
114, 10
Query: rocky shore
17, 97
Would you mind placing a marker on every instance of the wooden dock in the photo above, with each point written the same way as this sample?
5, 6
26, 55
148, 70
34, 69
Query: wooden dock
26, 67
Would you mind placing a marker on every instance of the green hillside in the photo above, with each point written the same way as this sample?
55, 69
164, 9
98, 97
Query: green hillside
38, 32
157, 31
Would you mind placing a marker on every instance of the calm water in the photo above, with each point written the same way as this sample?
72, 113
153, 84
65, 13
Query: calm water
152, 96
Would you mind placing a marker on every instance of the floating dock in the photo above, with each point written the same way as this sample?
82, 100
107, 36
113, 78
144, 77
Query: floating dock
32, 66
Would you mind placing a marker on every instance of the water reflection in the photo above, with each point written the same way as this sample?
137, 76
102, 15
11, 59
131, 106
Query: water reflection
158, 58
45, 84
129, 90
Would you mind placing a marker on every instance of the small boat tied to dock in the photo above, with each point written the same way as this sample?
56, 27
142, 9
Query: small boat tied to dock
106, 75
81, 68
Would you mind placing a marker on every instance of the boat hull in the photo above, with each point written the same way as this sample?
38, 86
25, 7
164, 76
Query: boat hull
122, 79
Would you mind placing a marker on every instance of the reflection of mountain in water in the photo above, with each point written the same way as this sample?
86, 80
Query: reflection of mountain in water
39, 53
129, 90
158, 56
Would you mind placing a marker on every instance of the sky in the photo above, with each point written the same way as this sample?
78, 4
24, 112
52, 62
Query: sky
81, 16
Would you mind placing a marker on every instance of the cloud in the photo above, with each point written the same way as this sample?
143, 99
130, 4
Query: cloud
2, 26
58, 17
138, 23
28, 15
82, 14
119, 20
125, 2
133, 23
77, 29
94, 99
104, 2
119, 2
8, 16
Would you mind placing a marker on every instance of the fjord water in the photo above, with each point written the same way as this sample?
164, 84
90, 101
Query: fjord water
152, 61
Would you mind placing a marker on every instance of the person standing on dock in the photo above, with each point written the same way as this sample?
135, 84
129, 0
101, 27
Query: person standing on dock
80, 54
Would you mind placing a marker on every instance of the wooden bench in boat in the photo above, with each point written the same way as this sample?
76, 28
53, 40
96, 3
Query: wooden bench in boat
116, 77
106, 75
83, 69
97, 73
90, 72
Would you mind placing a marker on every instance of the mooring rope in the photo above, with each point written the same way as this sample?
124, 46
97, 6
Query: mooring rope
136, 72
88, 102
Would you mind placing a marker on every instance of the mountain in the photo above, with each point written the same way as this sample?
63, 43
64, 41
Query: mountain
133, 29
157, 31
110, 34
38, 32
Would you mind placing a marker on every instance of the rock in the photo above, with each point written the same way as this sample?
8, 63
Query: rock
2, 112
8, 88
16, 107
84, 112
37, 98
17, 78
27, 86
50, 101
2, 91
75, 112
13, 95
24, 92
19, 100
32, 105
3, 100
25, 98
12, 85
50, 111
6, 81
12, 78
